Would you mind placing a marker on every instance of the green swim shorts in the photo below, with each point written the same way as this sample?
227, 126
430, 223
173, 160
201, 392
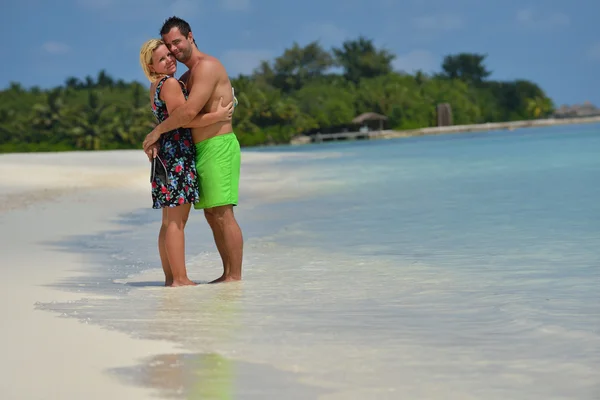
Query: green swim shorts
218, 162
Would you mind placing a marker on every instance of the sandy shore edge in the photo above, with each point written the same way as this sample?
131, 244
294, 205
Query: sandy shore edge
441, 130
49, 197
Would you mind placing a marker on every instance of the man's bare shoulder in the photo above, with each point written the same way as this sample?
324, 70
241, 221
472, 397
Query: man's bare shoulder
208, 66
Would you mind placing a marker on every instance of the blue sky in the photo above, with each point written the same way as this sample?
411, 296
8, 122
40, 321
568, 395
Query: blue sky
554, 43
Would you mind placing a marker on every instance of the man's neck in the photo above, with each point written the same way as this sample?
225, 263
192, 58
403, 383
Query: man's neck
194, 59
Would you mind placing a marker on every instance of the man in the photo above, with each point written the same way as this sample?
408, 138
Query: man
217, 148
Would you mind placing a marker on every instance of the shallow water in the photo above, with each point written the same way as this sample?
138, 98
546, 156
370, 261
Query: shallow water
459, 266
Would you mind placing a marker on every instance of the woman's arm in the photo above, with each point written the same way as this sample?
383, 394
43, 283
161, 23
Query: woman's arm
172, 95
223, 114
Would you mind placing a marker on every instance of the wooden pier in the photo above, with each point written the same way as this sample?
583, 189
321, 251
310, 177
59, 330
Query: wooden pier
326, 137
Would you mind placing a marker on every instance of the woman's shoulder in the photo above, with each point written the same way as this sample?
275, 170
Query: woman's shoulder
172, 83
165, 84
171, 86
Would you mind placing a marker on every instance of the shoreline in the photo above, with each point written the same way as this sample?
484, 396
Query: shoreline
490, 126
66, 358
50, 199
439, 130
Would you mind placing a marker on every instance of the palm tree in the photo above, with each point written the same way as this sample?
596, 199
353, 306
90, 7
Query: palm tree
8, 125
130, 125
47, 116
89, 123
105, 80
73, 83
538, 107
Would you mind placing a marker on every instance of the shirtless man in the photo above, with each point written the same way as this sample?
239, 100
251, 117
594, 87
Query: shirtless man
217, 148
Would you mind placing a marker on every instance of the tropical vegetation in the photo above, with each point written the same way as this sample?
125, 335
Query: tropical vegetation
307, 88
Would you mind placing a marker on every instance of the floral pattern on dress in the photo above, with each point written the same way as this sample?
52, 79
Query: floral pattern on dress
178, 153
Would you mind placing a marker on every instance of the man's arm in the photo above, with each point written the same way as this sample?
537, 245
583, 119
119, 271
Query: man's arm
205, 81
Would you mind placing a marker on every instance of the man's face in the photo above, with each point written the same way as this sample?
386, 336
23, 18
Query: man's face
179, 45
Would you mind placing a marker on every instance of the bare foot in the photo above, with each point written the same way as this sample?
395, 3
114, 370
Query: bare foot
224, 278
168, 282
184, 282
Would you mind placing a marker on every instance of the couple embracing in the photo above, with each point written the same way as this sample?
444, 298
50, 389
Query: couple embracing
194, 152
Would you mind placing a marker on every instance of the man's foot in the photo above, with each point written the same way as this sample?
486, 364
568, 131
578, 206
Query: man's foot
224, 278
183, 282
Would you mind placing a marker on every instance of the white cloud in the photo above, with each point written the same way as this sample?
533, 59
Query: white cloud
244, 61
415, 60
235, 5
326, 33
594, 52
56, 48
439, 23
532, 19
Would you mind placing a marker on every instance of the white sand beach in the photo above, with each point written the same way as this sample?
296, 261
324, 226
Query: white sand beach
46, 197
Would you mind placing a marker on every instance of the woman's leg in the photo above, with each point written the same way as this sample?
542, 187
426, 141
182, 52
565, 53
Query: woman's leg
162, 249
175, 243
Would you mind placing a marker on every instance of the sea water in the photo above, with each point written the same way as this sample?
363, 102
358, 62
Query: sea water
459, 266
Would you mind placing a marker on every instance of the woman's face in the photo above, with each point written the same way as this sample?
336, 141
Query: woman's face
163, 62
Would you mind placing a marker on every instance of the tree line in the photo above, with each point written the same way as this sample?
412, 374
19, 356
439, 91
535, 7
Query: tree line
307, 88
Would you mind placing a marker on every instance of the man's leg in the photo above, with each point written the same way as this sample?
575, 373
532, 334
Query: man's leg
218, 236
218, 166
229, 241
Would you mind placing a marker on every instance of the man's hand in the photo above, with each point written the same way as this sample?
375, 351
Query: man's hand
151, 139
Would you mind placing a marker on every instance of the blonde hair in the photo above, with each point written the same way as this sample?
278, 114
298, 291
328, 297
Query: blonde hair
146, 52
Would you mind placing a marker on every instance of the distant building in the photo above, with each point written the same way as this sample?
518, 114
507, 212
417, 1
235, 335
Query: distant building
370, 121
586, 109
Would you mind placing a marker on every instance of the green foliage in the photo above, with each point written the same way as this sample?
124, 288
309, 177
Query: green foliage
361, 59
466, 67
295, 93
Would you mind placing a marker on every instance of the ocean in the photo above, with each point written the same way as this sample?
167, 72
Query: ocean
462, 266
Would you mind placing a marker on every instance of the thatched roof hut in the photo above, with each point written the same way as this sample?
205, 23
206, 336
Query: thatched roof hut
370, 116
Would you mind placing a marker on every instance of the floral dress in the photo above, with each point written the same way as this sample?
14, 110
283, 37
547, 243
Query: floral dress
177, 153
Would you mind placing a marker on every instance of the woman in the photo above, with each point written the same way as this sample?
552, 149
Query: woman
174, 184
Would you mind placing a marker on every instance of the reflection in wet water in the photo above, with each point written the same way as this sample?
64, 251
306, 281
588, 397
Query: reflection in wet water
211, 376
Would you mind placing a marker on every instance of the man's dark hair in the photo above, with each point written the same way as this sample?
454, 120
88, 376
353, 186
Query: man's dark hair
175, 22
